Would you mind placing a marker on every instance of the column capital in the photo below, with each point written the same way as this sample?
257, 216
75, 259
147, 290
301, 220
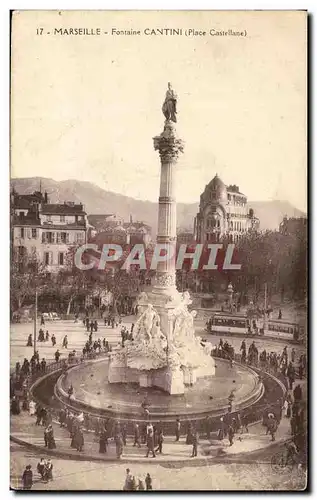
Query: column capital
168, 144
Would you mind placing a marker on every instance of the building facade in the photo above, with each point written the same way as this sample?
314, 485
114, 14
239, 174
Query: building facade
111, 228
293, 226
223, 213
45, 231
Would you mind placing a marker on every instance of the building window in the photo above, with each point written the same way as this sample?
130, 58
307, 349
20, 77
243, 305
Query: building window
49, 218
61, 258
79, 237
64, 237
22, 232
48, 258
34, 233
62, 218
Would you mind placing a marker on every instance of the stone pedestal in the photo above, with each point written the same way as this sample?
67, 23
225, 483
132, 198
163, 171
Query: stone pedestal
174, 381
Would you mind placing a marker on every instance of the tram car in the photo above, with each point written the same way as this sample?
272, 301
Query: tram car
287, 330
222, 323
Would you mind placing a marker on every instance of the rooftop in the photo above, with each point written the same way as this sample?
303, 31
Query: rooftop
66, 208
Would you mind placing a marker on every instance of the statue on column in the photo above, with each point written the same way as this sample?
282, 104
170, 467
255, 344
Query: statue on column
169, 105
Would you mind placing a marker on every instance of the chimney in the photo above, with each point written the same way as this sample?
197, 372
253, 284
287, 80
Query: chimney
45, 198
130, 219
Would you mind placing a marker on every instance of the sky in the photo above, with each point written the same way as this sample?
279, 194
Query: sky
88, 107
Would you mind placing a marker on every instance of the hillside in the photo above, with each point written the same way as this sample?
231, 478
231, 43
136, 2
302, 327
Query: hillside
98, 201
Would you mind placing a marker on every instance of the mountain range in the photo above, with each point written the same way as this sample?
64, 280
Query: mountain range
98, 201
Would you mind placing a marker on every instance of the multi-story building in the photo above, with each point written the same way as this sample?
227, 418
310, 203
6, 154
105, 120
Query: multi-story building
45, 231
111, 228
185, 237
223, 213
293, 225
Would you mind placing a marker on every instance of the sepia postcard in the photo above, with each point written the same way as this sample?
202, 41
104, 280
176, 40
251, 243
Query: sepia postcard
158, 243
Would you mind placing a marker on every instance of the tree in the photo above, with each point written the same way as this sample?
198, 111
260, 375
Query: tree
26, 275
72, 280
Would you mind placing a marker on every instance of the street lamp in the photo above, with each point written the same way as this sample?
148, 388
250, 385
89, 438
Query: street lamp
35, 323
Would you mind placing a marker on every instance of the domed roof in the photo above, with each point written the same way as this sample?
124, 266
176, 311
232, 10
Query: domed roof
217, 188
216, 182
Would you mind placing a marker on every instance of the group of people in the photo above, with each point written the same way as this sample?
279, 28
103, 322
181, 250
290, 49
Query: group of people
91, 325
126, 334
42, 337
19, 378
277, 363
44, 469
91, 348
110, 321
224, 350
131, 484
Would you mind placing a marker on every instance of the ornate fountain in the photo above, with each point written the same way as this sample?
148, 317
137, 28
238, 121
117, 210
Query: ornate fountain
165, 352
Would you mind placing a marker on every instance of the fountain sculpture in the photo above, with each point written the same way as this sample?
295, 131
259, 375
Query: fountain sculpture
165, 352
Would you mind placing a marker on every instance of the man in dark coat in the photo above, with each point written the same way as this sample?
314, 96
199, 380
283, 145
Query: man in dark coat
50, 437
230, 434
79, 439
298, 393
148, 482
27, 478
119, 445
41, 468
195, 443
103, 441
160, 440
124, 435
291, 375
177, 429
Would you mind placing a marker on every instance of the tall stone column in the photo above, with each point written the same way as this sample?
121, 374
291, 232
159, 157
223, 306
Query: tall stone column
169, 147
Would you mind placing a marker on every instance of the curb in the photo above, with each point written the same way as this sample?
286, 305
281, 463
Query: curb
186, 462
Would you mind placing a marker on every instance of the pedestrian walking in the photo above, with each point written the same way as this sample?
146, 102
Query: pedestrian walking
160, 440
48, 474
221, 430
119, 445
141, 485
27, 478
195, 443
124, 435
230, 434
50, 440
148, 482
103, 441
150, 441
128, 481
272, 425
41, 468
137, 436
